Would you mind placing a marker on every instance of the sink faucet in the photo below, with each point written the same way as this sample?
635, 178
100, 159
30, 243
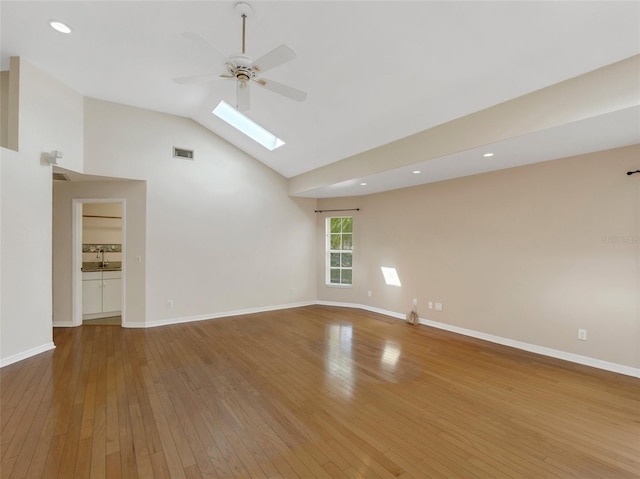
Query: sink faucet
100, 255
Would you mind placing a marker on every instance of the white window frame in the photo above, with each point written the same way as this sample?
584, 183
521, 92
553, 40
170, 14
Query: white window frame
328, 251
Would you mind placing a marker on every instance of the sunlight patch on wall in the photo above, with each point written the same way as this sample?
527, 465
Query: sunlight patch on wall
390, 276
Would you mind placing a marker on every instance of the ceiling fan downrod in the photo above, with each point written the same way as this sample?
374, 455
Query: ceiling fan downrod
244, 21
244, 9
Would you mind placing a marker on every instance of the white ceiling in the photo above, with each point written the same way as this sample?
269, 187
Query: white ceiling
374, 72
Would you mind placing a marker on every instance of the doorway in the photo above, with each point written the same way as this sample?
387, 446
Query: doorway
98, 244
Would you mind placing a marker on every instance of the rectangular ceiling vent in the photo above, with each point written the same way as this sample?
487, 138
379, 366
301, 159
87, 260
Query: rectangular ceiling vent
60, 177
182, 153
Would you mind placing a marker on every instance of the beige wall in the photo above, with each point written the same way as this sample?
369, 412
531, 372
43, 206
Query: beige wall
222, 233
25, 220
4, 109
530, 253
9, 105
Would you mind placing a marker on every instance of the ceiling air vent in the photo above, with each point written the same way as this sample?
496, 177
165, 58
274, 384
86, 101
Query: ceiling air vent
182, 153
60, 177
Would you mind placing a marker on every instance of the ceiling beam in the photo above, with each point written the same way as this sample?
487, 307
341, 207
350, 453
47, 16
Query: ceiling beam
605, 90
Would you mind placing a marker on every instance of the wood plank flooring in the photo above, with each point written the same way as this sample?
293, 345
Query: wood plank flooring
314, 392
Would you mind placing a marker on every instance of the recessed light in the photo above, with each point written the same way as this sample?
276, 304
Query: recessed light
363, 184
59, 26
416, 172
487, 155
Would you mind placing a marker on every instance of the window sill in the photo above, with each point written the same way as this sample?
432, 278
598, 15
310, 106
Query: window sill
333, 285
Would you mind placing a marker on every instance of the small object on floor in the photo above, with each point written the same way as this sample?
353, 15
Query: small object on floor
412, 317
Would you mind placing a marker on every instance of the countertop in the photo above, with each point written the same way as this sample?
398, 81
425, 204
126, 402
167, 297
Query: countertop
95, 266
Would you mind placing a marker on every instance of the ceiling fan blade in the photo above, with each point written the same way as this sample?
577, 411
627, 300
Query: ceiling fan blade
242, 95
281, 89
274, 58
202, 42
196, 78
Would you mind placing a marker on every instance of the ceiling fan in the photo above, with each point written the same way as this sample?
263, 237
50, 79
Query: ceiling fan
244, 69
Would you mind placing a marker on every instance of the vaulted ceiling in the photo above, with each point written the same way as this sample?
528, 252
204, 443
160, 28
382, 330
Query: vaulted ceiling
393, 87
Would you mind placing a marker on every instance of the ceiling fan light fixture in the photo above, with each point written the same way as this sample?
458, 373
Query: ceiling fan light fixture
246, 125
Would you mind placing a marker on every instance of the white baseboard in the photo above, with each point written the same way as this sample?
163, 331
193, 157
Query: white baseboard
26, 354
225, 314
63, 324
533, 348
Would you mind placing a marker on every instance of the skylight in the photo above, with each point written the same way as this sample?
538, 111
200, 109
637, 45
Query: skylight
247, 126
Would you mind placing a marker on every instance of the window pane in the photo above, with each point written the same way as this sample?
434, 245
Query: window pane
339, 248
347, 241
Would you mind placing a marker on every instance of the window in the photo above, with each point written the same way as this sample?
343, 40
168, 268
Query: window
340, 250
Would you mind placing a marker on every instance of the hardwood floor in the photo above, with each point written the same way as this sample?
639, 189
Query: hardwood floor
314, 392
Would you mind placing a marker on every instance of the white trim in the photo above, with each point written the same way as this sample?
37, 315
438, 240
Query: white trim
224, 314
27, 354
76, 262
76, 259
328, 251
533, 348
63, 324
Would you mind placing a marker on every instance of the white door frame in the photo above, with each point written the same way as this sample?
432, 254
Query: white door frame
76, 256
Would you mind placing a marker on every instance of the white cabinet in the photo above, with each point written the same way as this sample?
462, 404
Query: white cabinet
101, 294
111, 291
92, 292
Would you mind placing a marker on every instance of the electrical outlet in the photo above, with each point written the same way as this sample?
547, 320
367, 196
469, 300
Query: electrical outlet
415, 302
369, 293
438, 306
170, 304
582, 334
292, 290
138, 259
430, 305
